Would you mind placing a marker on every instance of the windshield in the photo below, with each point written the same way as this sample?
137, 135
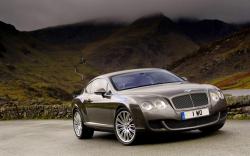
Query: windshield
143, 78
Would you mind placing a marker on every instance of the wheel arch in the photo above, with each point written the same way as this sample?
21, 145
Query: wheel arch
78, 105
136, 113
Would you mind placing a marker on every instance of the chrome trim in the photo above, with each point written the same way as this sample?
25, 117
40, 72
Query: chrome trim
188, 90
77, 124
193, 91
94, 124
194, 127
191, 99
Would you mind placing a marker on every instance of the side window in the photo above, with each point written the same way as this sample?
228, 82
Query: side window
98, 84
89, 88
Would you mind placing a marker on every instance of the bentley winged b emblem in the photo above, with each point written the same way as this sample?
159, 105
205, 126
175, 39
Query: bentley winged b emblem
188, 90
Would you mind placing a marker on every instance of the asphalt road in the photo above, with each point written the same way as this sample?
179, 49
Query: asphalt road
56, 137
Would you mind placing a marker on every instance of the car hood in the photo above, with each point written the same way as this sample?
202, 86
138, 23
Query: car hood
167, 90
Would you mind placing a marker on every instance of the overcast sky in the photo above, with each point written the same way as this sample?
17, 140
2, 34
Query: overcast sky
35, 14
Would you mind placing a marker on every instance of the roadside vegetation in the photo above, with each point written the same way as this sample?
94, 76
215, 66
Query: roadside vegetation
238, 107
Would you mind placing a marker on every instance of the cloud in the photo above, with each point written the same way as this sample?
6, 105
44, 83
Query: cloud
35, 14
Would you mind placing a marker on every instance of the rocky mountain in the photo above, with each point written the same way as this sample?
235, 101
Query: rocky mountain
77, 33
49, 65
205, 31
149, 41
226, 62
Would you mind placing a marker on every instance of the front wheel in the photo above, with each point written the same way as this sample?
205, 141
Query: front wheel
125, 130
81, 131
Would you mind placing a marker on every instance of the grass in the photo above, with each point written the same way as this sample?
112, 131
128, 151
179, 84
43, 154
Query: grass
239, 117
235, 81
42, 76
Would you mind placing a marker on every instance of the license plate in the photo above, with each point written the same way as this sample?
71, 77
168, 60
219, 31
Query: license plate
194, 113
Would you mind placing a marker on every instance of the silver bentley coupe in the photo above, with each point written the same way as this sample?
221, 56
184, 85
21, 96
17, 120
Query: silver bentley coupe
130, 102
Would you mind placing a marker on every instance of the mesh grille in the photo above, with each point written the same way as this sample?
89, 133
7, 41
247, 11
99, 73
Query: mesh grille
199, 99
192, 100
183, 101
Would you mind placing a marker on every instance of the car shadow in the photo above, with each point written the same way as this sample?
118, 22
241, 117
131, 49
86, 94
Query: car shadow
158, 138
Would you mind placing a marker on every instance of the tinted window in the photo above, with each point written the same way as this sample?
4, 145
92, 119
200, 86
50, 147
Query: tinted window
144, 78
98, 84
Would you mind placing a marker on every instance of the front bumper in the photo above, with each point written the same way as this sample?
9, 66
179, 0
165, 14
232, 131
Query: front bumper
170, 119
182, 125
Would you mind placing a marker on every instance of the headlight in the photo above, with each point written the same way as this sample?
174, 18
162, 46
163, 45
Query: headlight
216, 95
147, 106
159, 104
221, 94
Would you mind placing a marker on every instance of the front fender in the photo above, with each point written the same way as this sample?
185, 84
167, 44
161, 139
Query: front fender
138, 116
77, 104
130, 104
221, 105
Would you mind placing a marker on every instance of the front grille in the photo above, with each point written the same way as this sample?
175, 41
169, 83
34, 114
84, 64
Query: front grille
190, 100
177, 124
183, 101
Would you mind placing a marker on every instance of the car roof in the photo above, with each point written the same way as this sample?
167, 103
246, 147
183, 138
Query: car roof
127, 71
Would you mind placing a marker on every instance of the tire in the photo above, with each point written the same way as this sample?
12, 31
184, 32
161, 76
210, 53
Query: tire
125, 129
212, 129
81, 131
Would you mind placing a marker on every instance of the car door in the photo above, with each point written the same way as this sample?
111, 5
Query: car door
99, 108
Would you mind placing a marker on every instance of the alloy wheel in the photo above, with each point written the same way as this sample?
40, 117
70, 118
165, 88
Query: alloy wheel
125, 127
77, 124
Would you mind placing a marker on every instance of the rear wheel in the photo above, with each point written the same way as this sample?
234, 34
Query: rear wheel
212, 129
81, 131
125, 129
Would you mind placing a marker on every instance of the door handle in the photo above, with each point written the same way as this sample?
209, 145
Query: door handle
89, 101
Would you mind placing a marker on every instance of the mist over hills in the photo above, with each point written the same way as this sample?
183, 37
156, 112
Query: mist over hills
198, 30
44, 65
149, 41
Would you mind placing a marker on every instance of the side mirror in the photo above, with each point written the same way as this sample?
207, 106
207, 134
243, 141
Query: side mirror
184, 78
100, 91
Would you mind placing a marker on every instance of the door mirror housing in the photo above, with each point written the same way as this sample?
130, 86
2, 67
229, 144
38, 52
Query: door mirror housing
100, 91
184, 78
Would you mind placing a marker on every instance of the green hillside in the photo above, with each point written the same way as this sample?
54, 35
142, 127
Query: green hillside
33, 70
